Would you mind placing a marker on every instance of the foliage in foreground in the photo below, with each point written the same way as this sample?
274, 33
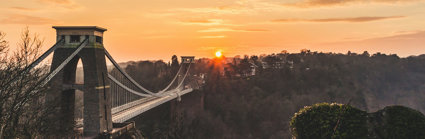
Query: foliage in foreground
22, 113
397, 122
326, 121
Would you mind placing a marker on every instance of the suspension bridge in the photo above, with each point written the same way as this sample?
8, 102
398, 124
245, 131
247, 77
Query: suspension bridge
110, 96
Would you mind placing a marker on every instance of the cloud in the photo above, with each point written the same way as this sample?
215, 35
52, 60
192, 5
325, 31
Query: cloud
206, 22
403, 43
203, 22
351, 19
158, 36
206, 48
232, 30
57, 1
234, 7
212, 10
321, 3
23, 8
26, 19
69, 4
213, 37
402, 35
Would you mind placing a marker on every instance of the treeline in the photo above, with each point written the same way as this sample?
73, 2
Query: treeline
255, 96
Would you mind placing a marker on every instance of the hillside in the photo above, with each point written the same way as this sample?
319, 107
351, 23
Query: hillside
255, 97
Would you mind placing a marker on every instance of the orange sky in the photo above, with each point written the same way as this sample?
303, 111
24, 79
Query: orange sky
157, 29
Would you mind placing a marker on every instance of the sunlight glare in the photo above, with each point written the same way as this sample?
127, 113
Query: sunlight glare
218, 54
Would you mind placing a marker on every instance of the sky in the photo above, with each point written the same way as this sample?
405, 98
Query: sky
157, 29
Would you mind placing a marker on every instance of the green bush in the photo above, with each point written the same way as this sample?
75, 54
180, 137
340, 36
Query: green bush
319, 121
325, 121
399, 122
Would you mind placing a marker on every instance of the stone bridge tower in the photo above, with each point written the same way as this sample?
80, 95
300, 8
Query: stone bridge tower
97, 98
185, 61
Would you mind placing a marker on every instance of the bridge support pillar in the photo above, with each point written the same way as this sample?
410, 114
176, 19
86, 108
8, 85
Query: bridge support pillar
97, 98
185, 60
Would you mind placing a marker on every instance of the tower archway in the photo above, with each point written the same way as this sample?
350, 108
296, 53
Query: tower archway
97, 99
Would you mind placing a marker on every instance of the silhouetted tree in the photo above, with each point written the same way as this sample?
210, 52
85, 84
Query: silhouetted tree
22, 113
244, 66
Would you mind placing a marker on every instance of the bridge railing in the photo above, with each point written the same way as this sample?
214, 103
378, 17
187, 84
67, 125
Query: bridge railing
121, 97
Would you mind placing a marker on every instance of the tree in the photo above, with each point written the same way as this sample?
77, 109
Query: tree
22, 114
245, 66
305, 51
365, 53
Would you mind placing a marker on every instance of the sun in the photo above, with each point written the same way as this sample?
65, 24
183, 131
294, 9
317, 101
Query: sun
218, 54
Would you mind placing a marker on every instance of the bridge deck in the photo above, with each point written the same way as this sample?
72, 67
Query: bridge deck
149, 103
